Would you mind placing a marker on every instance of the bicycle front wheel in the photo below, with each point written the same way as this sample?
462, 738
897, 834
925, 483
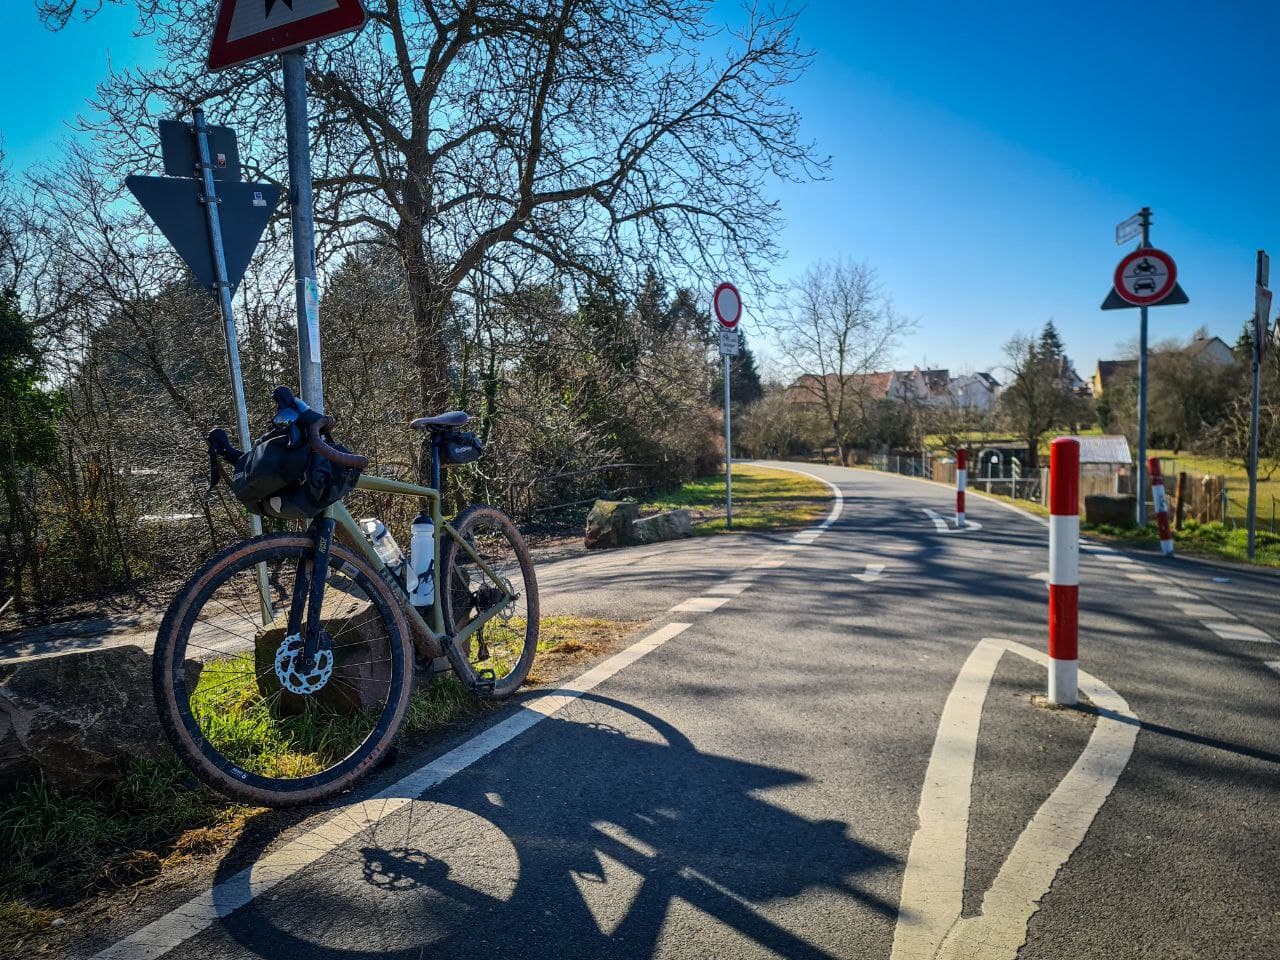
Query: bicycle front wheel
497, 582
237, 698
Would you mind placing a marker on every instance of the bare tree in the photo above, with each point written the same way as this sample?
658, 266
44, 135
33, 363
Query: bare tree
476, 136
840, 329
1038, 395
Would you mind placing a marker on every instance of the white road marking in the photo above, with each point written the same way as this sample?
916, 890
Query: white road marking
941, 524
1175, 592
873, 572
1204, 611
1117, 558
1145, 577
201, 912
732, 588
929, 922
1274, 665
1042, 575
1239, 631
702, 604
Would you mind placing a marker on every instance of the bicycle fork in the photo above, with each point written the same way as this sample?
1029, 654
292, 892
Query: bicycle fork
308, 590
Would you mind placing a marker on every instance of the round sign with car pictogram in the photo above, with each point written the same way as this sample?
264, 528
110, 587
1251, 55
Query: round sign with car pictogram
1146, 276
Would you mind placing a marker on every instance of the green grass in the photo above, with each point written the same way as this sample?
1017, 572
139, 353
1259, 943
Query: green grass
58, 847
1199, 539
763, 499
1237, 480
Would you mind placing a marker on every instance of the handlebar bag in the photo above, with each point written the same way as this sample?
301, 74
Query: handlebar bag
289, 483
460, 447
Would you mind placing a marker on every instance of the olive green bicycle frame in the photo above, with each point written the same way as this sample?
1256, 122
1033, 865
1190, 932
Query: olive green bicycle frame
452, 645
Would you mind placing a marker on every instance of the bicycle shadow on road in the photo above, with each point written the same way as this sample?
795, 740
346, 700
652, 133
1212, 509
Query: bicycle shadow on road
602, 832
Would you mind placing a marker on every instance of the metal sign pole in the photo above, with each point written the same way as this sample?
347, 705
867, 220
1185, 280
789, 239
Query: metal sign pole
1142, 388
728, 452
1261, 330
310, 381
209, 198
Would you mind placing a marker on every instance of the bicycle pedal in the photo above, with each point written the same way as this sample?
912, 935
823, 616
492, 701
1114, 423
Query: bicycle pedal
486, 680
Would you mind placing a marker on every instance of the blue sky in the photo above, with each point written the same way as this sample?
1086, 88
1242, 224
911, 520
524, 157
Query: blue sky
981, 155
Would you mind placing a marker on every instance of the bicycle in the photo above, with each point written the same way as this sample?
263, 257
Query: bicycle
284, 667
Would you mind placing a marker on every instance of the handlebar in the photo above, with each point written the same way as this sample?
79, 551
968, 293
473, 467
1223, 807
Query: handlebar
323, 424
291, 410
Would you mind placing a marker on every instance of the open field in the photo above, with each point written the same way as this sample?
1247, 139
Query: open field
763, 499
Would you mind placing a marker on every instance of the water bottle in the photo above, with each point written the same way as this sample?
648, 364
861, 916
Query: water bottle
384, 544
422, 554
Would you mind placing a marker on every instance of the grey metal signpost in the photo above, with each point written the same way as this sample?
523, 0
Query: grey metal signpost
727, 305
1261, 332
1145, 278
310, 379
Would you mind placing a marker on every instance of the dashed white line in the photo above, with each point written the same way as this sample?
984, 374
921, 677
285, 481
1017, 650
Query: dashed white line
1274, 665
1204, 611
702, 604
1239, 631
1175, 592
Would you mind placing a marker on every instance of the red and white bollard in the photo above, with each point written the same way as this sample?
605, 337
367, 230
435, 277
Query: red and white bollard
1161, 503
962, 475
1064, 569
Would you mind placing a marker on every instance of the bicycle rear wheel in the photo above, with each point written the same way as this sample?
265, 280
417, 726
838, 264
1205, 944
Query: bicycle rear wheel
241, 707
504, 647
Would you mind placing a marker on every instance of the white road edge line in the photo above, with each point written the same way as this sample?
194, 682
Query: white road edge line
929, 925
201, 912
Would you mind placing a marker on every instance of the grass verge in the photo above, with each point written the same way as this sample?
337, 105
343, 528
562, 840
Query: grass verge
763, 499
59, 848
1198, 539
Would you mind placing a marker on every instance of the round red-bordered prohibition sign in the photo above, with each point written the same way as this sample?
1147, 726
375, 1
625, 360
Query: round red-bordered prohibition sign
1145, 276
727, 303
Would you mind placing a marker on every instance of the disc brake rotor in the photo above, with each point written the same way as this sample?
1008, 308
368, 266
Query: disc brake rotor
289, 666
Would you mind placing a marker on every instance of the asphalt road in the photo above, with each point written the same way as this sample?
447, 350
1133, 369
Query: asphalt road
793, 765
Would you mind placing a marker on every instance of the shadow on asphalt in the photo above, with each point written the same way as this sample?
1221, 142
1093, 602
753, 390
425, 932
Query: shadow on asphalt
581, 839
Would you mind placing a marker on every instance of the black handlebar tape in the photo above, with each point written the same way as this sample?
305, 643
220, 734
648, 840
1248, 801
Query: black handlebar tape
320, 446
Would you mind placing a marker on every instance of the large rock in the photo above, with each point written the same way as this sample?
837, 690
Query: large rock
362, 662
1116, 510
77, 716
609, 524
663, 526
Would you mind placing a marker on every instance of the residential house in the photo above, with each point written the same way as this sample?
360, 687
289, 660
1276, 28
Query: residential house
932, 388
975, 391
1212, 351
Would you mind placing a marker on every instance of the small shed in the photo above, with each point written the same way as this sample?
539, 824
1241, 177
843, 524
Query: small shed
1104, 460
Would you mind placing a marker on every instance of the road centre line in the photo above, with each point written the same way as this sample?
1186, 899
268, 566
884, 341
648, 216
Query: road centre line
929, 920
176, 927
872, 572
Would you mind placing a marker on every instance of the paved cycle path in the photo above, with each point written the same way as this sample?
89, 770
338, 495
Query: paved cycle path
748, 780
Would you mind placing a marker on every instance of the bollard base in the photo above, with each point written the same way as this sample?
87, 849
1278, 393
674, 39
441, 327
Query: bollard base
959, 520
1063, 691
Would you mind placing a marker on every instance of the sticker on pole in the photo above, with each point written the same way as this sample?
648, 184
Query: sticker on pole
728, 305
1145, 276
250, 29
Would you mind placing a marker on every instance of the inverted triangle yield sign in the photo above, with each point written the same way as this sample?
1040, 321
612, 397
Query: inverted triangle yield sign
174, 204
1175, 297
248, 29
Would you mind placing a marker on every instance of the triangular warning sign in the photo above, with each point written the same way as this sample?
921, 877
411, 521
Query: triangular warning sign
243, 210
249, 29
1115, 302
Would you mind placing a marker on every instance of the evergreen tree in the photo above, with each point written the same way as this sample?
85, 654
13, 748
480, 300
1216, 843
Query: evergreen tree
27, 439
744, 380
1050, 346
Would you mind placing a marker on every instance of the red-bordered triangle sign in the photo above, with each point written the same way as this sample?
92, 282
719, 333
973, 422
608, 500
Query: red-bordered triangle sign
248, 29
